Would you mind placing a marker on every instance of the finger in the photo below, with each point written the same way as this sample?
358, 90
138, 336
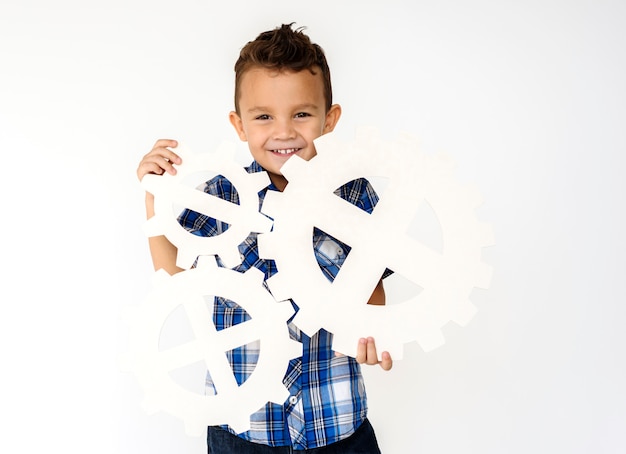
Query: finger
162, 158
162, 147
361, 351
166, 163
156, 165
372, 356
386, 362
150, 167
165, 143
164, 154
146, 167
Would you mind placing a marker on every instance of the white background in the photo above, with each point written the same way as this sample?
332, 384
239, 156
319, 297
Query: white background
528, 97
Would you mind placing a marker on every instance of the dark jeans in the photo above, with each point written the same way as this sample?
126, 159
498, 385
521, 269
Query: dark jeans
362, 441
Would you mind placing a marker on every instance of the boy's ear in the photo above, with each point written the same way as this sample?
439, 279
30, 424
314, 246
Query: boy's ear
332, 117
235, 120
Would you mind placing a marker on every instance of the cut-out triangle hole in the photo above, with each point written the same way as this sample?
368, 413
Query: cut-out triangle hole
226, 311
176, 330
249, 351
226, 314
227, 191
191, 377
426, 229
399, 289
359, 193
329, 252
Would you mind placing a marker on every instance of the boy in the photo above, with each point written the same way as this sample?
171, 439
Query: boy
283, 101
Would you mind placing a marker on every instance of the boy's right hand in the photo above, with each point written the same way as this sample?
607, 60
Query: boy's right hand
160, 159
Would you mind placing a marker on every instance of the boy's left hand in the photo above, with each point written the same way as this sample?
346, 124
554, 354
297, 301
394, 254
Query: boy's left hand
366, 354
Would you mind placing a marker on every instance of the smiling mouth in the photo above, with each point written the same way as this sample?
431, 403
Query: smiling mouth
285, 151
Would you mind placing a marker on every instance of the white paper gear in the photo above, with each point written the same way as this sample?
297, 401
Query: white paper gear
232, 404
378, 241
172, 190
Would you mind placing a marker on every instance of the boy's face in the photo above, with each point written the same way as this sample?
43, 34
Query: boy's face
280, 115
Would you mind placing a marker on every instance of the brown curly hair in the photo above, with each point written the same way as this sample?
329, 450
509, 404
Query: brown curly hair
283, 49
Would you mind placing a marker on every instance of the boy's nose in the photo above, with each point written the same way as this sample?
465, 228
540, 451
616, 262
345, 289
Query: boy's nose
284, 130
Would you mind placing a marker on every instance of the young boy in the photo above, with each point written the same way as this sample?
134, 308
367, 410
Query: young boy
283, 101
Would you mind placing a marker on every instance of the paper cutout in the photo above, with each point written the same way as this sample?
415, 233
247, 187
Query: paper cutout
174, 189
378, 241
232, 404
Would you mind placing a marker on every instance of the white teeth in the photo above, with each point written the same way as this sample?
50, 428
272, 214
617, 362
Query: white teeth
286, 151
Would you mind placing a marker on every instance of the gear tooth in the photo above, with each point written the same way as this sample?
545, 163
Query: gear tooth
226, 150
254, 277
396, 350
430, 340
266, 243
409, 139
239, 424
278, 395
293, 349
185, 258
483, 275
152, 183
271, 203
194, 429
322, 142
487, 236
473, 196
284, 309
182, 150
464, 313
367, 134
328, 144
293, 167
260, 180
278, 287
230, 256
309, 327
443, 164
262, 224
344, 345
160, 278
206, 261
152, 227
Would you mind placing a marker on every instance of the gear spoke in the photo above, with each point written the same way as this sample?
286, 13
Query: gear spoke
206, 204
238, 335
180, 356
201, 319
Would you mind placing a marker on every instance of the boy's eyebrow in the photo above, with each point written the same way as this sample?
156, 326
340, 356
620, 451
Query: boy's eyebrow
262, 109
257, 109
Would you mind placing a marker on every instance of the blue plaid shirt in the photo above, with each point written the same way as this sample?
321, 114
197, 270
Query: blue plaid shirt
327, 394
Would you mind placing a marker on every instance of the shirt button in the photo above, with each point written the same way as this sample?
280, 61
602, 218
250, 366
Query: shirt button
293, 400
339, 251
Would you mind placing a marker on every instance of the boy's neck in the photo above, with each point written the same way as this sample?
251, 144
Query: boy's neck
279, 181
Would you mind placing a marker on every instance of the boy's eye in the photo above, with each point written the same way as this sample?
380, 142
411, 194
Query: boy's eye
302, 115
262, 117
